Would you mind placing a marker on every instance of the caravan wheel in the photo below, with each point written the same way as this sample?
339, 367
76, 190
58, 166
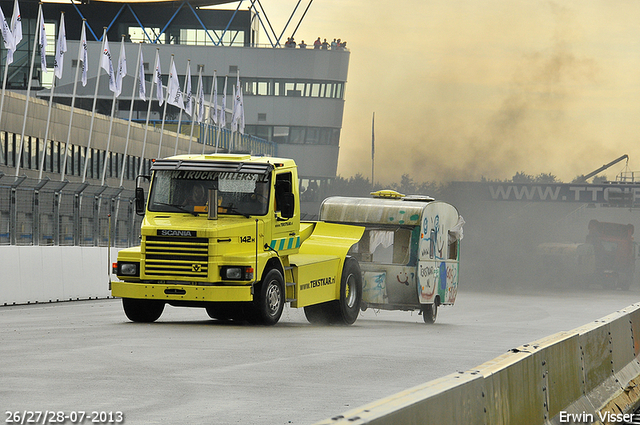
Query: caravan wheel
429, 312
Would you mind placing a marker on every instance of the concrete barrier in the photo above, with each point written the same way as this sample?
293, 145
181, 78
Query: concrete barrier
588, 375
37, 274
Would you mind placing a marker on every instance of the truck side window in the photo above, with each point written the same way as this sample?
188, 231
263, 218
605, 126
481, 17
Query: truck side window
284, 194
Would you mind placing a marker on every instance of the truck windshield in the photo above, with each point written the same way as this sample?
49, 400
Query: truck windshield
188, 191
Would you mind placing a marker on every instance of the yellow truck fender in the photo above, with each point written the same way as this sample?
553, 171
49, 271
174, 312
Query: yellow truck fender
329, 238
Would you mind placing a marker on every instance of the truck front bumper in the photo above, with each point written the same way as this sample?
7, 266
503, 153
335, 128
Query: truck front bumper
171, 292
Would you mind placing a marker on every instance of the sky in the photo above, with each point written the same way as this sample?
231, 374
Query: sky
467, 90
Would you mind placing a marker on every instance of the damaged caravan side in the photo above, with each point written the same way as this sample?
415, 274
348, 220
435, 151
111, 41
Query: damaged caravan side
409, 253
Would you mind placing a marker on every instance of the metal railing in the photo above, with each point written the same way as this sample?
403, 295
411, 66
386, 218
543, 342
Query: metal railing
46, 212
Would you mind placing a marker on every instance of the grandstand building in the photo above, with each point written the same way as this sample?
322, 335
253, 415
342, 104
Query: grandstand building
293, 97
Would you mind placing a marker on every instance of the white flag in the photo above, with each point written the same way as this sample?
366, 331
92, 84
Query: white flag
107, 65
188, 103
241, 118
214, 113
16, 24
122, 69
157, 80
16, 31
175, 95
7, 37
141, 88
83, 57
43, 44
200, 117
223, 110
237, 106
61, 48
237, 118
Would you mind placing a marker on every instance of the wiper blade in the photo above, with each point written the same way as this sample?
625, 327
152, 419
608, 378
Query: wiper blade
232, 209
178, 207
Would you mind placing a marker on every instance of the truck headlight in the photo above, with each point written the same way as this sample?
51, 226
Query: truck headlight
236, 273
128, 269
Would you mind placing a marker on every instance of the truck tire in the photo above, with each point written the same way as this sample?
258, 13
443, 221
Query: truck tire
345, 310
226, 311
269, 300
319, 314
350, 293
145, 311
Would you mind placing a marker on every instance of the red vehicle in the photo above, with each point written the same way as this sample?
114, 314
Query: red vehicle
614, 253
607, 258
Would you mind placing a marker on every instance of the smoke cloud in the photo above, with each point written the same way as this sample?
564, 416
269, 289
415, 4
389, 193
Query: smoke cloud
467, 89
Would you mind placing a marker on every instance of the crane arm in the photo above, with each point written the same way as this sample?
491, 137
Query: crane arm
604, 167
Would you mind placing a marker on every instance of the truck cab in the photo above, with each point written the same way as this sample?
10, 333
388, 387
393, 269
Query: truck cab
223, 232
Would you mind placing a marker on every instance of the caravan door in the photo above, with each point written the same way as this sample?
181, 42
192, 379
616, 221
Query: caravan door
438, 264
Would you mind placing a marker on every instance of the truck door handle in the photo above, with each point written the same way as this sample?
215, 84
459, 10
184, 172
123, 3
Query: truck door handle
292, 234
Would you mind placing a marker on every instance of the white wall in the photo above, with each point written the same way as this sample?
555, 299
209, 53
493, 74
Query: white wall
31, 274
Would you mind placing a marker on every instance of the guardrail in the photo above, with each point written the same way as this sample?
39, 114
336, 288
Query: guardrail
42, 274
588, 375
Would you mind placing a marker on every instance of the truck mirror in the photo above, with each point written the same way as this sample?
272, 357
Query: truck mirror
287, 209
139, 194
140, 201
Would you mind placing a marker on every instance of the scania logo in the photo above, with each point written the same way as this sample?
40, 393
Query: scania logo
196, 268
188, 233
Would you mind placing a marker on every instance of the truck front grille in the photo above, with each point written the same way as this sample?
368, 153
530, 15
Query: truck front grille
176, 256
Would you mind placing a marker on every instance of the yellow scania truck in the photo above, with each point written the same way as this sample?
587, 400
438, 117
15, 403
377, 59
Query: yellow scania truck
223, 232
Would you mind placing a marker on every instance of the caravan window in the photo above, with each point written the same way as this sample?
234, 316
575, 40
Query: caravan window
386, 246
453, 250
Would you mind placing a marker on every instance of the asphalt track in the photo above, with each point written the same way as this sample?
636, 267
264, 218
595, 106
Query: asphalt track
86, 356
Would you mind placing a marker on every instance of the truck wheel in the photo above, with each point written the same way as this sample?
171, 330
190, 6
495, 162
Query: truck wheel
226, 311
270, 299
319, 314
430, 312
350, 293
145, 311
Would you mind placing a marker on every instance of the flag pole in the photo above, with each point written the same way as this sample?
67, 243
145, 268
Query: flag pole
133, 95
61, 48
214, 89
146, 126
222, 121
194, 112
182, 105
82, 46
10, 42
373, 150
219, 132
4, 86
164, 112
26, 102
116, 93
93, 111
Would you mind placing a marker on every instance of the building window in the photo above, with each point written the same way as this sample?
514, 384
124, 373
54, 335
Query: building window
263, 88
281, 134
3, 148
297, 135
137, 35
